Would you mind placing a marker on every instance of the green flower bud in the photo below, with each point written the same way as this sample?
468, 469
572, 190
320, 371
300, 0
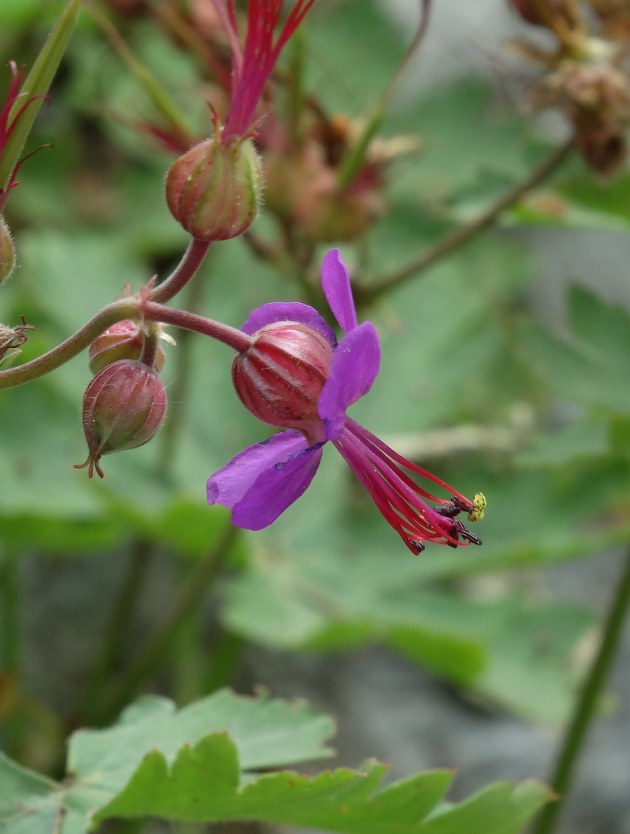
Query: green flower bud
214, 190
7, 251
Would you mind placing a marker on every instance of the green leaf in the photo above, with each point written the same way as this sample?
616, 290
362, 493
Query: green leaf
353, 55
596, 203
268, 733
587, 366
19, 12
508, 651
37, 83
498, 150
499, 809
161, 763
202, 785
581, 439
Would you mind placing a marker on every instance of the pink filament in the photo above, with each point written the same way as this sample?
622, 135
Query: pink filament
395, 494
252, 65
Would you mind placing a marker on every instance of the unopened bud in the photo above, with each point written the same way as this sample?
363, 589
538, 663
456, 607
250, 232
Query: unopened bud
281, 376
604, 148
7, 251
213, 190
123, 340
123, 408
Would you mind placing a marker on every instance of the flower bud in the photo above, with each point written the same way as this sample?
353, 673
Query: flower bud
603, 148
213, 190
123, 340
7, 251
281, 376
123, 408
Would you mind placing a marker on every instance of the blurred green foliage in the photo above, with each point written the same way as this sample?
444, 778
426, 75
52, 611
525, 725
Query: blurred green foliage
461, 348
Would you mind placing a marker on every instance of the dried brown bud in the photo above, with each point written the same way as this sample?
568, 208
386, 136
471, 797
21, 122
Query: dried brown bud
604, 150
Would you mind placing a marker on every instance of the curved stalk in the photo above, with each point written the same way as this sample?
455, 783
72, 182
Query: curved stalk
191, 261
125, 308
191, 321
468, 231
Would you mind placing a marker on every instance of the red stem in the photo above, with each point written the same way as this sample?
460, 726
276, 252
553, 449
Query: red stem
183, 272
191, 321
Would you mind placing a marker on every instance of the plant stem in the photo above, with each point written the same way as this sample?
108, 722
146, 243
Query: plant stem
587, 702
179, 389
191, 261
123, 309
190, 596
191, 321
463, 234
9, 610
117, 629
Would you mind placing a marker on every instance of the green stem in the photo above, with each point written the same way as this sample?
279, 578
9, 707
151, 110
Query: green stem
183, 272
117, 630
463, 234
190, 596
125, 308
587, 702
181, 384
9, 611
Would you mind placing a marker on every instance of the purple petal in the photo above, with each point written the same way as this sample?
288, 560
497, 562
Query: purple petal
264, 479
338, 292
288, 311
353, 369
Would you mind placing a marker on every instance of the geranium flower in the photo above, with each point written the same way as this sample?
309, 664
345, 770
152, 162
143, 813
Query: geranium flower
252, 65
297, 375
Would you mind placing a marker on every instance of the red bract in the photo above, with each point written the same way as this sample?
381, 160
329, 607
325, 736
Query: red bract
8, 123
252, 65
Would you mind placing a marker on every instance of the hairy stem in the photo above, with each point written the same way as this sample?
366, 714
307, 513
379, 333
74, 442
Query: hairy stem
179, 389
463, 234
183, 272
191, 321
587, 702
123, 309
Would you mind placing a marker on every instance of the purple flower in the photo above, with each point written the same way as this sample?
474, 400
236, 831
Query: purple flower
297, 375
